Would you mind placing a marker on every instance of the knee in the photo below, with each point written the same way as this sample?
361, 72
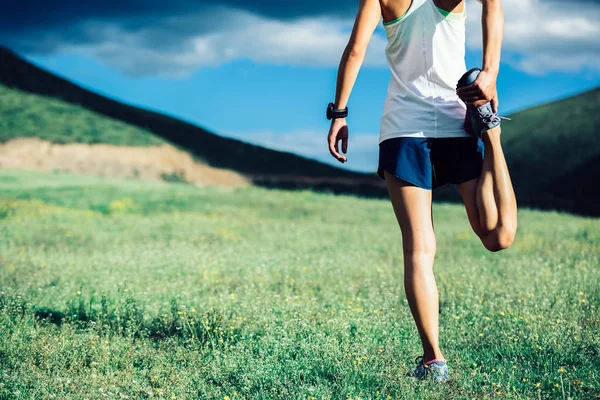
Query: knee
420, 249
500, 238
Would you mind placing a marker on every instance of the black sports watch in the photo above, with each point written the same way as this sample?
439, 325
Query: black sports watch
332, 113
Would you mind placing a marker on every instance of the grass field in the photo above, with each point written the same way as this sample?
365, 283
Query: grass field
153, 290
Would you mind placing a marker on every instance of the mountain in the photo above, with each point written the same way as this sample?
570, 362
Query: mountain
553, 150
553, 153
262, 166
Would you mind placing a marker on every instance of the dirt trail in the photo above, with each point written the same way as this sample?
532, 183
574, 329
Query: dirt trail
148, 163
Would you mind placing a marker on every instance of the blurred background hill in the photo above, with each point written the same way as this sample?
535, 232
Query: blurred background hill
62, 112
552, 150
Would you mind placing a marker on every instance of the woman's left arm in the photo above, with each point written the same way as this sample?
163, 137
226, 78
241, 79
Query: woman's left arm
484, 88
369, 15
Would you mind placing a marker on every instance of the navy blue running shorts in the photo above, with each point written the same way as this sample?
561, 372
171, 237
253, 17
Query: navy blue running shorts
431, 162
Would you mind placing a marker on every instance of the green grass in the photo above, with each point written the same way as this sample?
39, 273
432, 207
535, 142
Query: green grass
158, 290
29, 115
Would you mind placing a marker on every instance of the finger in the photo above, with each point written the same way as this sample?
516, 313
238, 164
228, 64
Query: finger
345, 145
470, 100
333, 149
461, 89
471, 92
341, 158
480, 103
470, 88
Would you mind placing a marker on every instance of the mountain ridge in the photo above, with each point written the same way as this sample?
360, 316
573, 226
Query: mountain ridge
552, 150
256, 162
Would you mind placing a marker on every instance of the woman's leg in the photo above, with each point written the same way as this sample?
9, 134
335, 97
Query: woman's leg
490, 200
412, 206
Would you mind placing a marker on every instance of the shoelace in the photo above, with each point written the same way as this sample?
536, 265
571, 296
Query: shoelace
421, 360
490, 118
493, 117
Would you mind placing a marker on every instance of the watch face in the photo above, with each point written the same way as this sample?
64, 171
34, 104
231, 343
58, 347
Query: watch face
330, 111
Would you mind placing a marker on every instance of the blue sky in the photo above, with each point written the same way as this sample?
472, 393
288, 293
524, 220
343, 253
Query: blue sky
273, 90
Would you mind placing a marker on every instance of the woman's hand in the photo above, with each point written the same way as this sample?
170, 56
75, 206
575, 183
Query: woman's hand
337, 132
482, 91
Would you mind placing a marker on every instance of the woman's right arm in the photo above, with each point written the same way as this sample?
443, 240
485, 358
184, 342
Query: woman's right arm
367, 19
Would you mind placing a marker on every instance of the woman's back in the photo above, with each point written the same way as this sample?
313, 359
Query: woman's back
425, 53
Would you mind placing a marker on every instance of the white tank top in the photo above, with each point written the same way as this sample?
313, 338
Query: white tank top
426, 54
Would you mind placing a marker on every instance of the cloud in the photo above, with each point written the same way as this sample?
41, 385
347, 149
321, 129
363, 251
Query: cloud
25, 15
545, 36
178, 37
180, 45
362, 148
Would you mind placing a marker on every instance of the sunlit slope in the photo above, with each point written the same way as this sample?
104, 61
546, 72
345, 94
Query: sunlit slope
264, 166
28, 115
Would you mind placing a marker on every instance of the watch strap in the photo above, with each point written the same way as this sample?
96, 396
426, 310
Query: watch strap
333, 113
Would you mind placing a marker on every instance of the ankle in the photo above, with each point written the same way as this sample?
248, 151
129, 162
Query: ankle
493, 135
434, 360
431, 356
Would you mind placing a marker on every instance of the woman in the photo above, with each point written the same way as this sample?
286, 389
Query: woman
424, 141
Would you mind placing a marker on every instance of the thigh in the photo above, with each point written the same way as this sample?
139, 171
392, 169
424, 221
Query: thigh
468, 191
412, 206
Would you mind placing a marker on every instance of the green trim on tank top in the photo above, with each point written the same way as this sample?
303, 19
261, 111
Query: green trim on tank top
442, 11
446, 13
397, 19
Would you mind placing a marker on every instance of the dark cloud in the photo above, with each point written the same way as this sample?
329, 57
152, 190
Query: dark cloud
175, 37
20, 16
37, 26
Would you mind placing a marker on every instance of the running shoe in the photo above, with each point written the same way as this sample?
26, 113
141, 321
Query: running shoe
437, 370
478, 119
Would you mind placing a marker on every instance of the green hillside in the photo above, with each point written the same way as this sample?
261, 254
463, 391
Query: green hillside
28, 115
553, 152
263, 166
